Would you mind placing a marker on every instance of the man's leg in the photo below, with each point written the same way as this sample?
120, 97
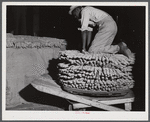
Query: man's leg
104, 37
102, 42
125, 50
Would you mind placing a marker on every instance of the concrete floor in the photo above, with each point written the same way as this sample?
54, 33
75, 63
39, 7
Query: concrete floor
35, 106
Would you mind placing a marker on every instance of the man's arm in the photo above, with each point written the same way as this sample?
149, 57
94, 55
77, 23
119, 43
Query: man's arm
86, 39
89, 36
85, 29
83, 36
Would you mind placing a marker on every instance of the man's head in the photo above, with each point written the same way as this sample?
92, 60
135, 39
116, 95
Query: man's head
75, 11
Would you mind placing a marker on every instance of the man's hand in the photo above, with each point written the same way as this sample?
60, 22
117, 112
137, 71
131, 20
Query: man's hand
92, 25
85, 52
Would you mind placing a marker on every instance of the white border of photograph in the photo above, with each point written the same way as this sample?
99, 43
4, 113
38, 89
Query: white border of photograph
71, 115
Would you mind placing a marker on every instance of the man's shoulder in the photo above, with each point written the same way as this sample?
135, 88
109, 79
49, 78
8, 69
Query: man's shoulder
90, 8
86, 9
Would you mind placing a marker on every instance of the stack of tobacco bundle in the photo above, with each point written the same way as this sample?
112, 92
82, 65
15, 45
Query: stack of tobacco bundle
95, 72
20, 41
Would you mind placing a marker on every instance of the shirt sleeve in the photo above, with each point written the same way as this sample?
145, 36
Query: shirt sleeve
85, 20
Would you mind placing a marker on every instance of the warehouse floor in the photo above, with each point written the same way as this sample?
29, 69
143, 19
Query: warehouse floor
46, 102
41, 107
35, 106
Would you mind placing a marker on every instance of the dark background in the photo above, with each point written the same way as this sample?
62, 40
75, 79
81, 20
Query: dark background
54, 21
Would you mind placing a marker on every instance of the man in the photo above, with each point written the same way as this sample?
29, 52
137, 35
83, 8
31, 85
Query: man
91, 17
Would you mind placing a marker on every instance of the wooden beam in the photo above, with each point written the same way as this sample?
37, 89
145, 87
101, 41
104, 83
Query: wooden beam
60, 93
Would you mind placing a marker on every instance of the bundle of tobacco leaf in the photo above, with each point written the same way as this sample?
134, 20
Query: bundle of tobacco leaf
20, 41
96, 72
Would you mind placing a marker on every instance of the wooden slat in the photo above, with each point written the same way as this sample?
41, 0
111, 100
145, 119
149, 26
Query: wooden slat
111, 102
128, 106
53, 90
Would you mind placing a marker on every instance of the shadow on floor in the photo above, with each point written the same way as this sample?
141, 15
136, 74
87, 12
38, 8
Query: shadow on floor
30, 94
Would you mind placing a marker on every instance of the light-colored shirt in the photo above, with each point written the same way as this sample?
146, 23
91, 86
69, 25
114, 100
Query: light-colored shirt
91, 15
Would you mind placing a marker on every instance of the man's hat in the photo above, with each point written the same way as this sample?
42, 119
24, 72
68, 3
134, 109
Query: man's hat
71, 9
